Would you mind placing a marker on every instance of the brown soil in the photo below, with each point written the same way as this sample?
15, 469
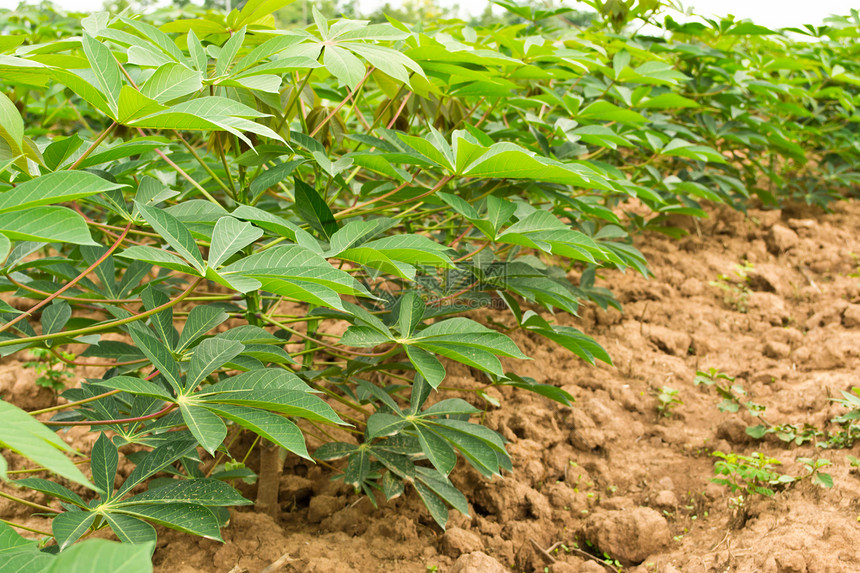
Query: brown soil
610, 474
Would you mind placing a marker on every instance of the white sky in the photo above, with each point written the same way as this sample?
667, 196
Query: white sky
773, 13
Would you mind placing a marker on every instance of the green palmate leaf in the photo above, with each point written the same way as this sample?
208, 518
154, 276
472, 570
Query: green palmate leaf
209, 355
268, 425
334, 451
411, 313
343, 65
130, 529
364, 337
210, 113
171, 81
205, 426
103, 464
137, 387
479, 453
5, 248
133, 104
250, 334
468, 342
204, 491
264, 379
55, 317
201, 320
158, 257
185, 517
442, 486
391, 486
426, 365
175, 234
574, 340
606, 111
54, 188
438, 451
228, 51
155, 461
52, 489
410, 249
198, 56
273, 176
68, 527
289, 402
545, 390
279, 257
358, 468
255, 10
102, 555
380, 425
25, 436
106, 70
434, 505
162, 321
11, 129
313, 210
159, 354
11, 542
46, 224
392, 62
229, 237
350, 235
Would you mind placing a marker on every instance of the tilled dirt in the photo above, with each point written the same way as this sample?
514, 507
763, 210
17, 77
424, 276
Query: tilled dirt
611, 475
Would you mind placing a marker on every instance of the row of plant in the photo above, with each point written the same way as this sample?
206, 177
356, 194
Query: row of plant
282, 231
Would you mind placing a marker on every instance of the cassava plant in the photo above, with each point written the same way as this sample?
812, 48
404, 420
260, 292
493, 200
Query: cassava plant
280, 232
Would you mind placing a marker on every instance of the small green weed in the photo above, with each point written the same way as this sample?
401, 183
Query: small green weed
667, 401
736, 290
51, 372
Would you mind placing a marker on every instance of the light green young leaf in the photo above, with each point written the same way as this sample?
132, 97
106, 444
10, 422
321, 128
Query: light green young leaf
352, 234
11, 126
171, 81
46, 224
229, 51
411, 313
175, 234
106, 70
133, 104
27, 437
158, 257
103, 555
229, 237
343, 65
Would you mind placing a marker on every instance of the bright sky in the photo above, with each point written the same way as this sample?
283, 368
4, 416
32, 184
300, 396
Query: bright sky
773, 13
